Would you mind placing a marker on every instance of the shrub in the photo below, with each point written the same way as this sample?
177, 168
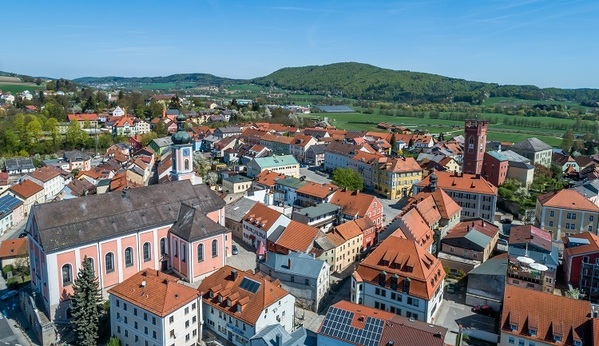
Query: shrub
7, 269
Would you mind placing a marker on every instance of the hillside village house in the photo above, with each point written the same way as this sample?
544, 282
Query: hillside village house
300, 144
13, 252
295, 237
285, 164
260, 222
338, 155
176, 226
50, 179
236, 184
238, 304
84, 119
395, 178
234, 214
29, 192
356, 205
566, 212
78, 160
400, 277
152, 308
321, 216
11, 212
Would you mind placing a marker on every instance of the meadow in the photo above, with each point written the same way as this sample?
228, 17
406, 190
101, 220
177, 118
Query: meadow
17, 87
499, 131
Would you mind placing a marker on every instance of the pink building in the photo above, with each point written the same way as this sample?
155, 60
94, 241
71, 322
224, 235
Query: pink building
176, 226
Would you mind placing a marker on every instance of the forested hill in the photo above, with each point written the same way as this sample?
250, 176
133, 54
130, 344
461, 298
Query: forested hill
363, 81
196, 78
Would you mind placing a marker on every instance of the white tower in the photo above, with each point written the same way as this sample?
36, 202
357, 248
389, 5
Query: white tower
181, 153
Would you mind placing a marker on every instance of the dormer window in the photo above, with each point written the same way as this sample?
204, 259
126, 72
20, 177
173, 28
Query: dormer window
220, 299
532, 332
557, 338
513, 327
577, 343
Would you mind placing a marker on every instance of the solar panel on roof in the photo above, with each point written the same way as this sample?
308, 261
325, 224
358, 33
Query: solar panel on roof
249, 285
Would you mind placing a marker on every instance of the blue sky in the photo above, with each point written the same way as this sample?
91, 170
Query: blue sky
538, 42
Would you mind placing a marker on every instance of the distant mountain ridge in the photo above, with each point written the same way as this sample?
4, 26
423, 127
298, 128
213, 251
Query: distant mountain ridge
199, 78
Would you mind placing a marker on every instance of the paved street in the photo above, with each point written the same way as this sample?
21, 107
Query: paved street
245, 259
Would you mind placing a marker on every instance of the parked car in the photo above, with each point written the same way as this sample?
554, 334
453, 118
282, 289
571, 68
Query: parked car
9, 295
483, 310
451, 288
234, 250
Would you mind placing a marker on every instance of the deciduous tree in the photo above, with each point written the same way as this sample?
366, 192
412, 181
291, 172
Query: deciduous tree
348, 178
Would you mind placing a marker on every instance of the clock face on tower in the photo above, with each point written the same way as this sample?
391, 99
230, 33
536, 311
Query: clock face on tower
186, 152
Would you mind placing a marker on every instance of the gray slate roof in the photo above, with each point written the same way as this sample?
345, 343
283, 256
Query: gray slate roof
163, 141
513, 156
76, 155
318, 148
18, 164
237, 179
301, 264
492, 266
93, 218
236, 211
532, 144
319, 209
193, 224
473, 240
268, 336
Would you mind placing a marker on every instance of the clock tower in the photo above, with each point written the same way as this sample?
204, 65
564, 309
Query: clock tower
181, 153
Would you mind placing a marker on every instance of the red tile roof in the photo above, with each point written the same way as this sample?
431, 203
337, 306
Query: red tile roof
26, 188
567, 199
406, 259
403, 331
461, 182
262, 216
317, 190
298, 237
413, 227
269, 178
550, 315
83, 117
354, 202
222, 283
592, 247
13, 248
401, 165
427, 208
45, 173
155, 291
349, 230
530, 234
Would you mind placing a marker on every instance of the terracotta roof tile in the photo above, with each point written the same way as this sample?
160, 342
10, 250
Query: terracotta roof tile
222, 283
592, 247
317, 190
83, 117
406, 259
155, 291
45, 173
26, 188
349, 230
13, 247
551, 315
262, 216
269, 178
298, 237
461, 182
353, 202
530, 234
567, 199
413, 227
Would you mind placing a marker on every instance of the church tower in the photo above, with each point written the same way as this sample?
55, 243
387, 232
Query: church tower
475, 143
181, 153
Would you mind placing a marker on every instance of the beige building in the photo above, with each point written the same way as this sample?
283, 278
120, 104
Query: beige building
566, 212
346, 240
236, 183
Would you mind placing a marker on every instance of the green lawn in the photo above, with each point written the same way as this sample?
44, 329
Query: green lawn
20, 87
499, 132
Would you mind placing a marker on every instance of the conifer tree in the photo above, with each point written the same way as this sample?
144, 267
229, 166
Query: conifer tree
84, 303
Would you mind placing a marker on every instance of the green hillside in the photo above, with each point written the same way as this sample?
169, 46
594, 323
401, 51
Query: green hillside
197, 79
367, 82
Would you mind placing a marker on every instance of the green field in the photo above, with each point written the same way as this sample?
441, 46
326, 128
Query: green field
507, 101
166, 86
499, 131
19, 87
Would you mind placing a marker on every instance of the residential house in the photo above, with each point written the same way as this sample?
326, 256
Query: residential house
533, 258
236, 184
365, 164
589, 189
4, 184
285, 164
18, 166
285, 191
50, 179
78, 160
519, 167
566, 211
124, 127
234, 214
295, 237
267, 180
300, 144
12, 212
79, 188
237, 305
411, 225
341, 247
260, 222
228, 131
152, 308
277, 335
395, 178
581, 264
474, 194
123, 233
219, 147
338, 155
279, 145
564, 161
29, 192
356, 205
531, 317
495, 167
95, 175
252, 136
534, 149
468, 244
315, 154
89, 120
311, 194
161, 146
401, 277
322, 216
305, 277
14, 252
486, 283
349, 324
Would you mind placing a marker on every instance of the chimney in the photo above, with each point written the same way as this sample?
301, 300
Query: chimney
234, 274
279, 339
